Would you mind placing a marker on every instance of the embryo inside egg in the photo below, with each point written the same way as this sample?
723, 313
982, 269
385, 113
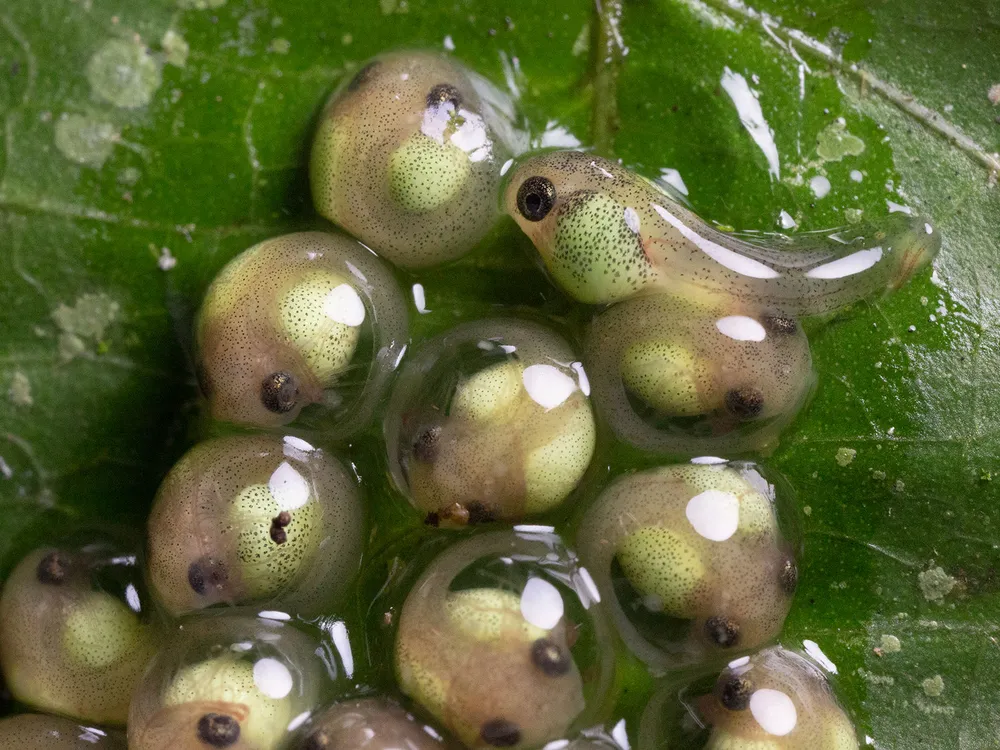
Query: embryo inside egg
490, 421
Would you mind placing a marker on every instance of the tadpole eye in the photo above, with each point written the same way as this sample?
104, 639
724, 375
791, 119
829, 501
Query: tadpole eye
722, 631
745, 403
735, 694
218, 730
789, 576
779, 324
535, 198
205, 574
500, 733
549, 657
362, 76
279, 392
52, 568
442, 94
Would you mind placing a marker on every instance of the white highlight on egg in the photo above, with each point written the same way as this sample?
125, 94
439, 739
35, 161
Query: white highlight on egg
774, 711
272, 678
343, 305
289, 487
632, 220
849, 265
547, 386
752, 117
812, 648
714, 514
820, 186
741, 328
541, 604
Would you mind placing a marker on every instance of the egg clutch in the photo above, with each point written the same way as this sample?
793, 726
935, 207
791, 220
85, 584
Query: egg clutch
223, 627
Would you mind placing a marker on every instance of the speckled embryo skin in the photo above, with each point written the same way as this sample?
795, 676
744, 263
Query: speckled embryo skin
497, 660
606, 234
707, 567
254, 519
370, 724
490, 421
301, 319
670, 375
407, 157
67, 646
38, 732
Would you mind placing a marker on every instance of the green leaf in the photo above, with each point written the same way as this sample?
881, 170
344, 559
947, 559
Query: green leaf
145, 144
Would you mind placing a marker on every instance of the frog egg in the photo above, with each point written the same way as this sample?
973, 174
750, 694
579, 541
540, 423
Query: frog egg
75, 630
693, 560
502, 640
308, 321
408, 155
226, 682
370, 724
775, 699
673, 376
255, 519
490, 421
38, 732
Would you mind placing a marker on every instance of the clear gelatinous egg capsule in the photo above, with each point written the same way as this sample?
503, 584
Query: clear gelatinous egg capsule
670, 375
503, 641
76, 630
490, 421
303, 321
39, 732
692, 559
775, 699
370, 724
234, 682
255, 519
605, 234
408, 155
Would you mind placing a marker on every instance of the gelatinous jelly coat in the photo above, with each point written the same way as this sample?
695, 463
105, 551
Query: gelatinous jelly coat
407, 157
497, 662
233, 682
673, 376
606, 234
66, 645
775, 700
370, 724
254, 519
38, 732
490, 421
694, 542
305, 318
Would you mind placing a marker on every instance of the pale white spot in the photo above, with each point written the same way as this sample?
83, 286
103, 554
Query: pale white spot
849, 265
722, 255
273, 614
556, 745
241, 647
528, 528
632, 219
290, 489
508, 348
741, 662
856, 175
419, 300
774, 711
620, 735
166, 261
820, 186
714, 514
433, 732
604, 173
541, 604
343, 305
812, 648
898, 208
556, 136
581, 377
132, 598
929, 229
741, 328
342, 641
590, 588
298, 721
752, 117
547, 386
709, 460
298, 444
272, 678
673, 178
449, 43
786, 220
506, 167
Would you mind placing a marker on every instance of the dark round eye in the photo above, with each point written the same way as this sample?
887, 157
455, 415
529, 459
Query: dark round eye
480, 513
205, 574
535, 198
735, 694
52, 568
789, 576
425, 447
500, 733
362, 76
780, 325
722, 631
278, 524
218, 730
745, 403
279, 392
550, 657
444, 93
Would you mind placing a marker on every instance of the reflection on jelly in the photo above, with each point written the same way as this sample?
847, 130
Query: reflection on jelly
501, 639
232, 681
407, 157
673, 376
255, 519
773, 700
38, 732
75, 632
370, 724
490, 421
304, 321
693, 561
605, 234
